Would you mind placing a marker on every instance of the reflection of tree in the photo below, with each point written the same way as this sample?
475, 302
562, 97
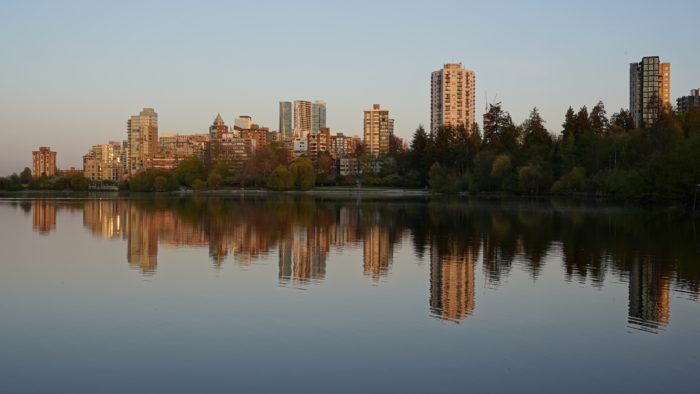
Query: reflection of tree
653, 252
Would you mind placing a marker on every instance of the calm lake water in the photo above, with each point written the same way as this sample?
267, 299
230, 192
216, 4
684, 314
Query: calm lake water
302, 294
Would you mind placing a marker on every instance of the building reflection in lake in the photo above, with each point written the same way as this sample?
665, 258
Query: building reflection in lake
43, 216
302, 232
452, 285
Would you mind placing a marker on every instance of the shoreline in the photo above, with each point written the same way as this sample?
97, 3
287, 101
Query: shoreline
354, 192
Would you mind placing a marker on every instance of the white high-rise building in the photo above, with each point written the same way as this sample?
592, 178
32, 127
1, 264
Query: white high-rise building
452, 95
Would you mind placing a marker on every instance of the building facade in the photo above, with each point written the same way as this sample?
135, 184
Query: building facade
302, 118
650, 91
285, 120
218, 127
43, 162
104, 162
376, 130
318, 116
685, 103
452, 97
142, 137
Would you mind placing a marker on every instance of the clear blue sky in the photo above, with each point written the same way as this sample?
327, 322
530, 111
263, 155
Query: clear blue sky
72, 72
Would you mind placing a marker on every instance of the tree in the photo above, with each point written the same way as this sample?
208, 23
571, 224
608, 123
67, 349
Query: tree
280, 179
79, 183
304, 174
214, 180
597, 119
441, 181
188, 171
531, 178
500, 166
326, 164
160, 183
25, 176
499, 131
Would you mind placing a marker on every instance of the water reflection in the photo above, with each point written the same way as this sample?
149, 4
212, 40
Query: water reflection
654, 253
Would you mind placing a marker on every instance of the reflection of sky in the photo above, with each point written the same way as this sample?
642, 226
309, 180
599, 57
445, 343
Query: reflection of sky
75, 317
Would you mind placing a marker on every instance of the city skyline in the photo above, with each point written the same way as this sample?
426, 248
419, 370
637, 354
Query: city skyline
80, 106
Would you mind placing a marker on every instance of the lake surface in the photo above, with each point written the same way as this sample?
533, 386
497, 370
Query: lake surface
303, 294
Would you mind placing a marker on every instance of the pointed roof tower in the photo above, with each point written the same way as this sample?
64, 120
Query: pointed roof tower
218, 120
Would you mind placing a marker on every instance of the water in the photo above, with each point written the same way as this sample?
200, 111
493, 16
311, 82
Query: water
285, 294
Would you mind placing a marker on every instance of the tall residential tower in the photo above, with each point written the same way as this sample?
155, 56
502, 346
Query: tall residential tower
285, 126
452, 97
318, 116
377, 126
650, 90
302, 118
142, 134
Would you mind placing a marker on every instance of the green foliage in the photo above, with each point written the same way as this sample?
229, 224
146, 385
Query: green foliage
442, 180
303, 173
25, 176
500, 166
214, 180
280, 179
160, 183
189, 171
79, 183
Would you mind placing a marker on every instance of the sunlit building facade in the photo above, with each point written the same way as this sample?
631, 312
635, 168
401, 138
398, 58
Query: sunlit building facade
452, 97
650, 90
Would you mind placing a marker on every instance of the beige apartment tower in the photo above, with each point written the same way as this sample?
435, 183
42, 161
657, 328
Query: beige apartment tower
377, 126
452, 97
142, 133
302, 118
43, 162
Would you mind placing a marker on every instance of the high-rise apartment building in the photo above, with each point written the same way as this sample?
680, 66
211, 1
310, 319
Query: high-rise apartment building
685, 103
377, 127
142, 134
650, 90
285, 126
43, 162
318, 116
452, 95
302, 118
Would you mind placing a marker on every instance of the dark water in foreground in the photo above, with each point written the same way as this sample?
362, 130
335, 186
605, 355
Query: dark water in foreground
309, 295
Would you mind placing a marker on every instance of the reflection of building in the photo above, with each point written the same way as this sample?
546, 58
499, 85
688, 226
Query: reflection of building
377, 252
43, 216
142, 240
650, 82
649, 295
451, 285
105, 218
43, 162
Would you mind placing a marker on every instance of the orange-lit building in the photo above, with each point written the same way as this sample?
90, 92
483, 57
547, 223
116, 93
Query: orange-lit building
43, 162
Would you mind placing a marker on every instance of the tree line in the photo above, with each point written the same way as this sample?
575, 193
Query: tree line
593, 154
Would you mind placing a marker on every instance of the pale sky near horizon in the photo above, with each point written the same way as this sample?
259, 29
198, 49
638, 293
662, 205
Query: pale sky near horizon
72, 72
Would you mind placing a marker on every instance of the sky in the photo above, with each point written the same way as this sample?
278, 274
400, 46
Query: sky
72, 72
